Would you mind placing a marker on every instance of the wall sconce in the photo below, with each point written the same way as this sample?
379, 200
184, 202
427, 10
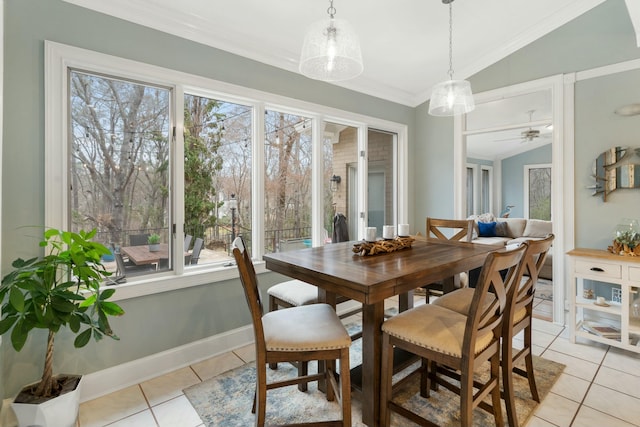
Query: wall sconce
334, 181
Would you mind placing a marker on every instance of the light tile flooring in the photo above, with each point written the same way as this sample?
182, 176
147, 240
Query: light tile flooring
599, 387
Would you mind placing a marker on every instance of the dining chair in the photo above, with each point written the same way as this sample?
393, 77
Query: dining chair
138, 239
195, 252
295, 293
454, 345
519, 317
448, 229
187, 242
305, 333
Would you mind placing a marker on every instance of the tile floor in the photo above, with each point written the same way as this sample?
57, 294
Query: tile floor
599, 387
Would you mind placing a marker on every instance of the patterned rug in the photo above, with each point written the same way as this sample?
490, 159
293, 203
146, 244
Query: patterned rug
544, 289
225, 400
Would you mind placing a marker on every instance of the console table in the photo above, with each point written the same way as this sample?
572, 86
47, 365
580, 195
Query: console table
616, 321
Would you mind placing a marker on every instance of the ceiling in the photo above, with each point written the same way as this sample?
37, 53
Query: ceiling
404, 43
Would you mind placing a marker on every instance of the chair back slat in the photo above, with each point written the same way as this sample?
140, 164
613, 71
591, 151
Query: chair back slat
532, 263
462, 229
491, 294
250, 285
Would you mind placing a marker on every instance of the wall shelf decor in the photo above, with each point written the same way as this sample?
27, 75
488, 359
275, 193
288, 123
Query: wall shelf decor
616, 168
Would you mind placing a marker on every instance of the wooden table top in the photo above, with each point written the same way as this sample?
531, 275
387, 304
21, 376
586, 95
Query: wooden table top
370, 279
142, 255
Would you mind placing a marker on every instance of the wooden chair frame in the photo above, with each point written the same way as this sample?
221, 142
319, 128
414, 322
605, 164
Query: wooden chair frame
488, 309
263, 356
523, 300
436, 228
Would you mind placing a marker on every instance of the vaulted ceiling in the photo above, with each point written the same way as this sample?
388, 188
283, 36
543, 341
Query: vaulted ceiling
404, 42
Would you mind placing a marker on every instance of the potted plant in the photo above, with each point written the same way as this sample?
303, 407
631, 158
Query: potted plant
154, 242
60, 289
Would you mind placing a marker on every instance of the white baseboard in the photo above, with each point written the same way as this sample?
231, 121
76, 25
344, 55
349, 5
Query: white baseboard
127, 374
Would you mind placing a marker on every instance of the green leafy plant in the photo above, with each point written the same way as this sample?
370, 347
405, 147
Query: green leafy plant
153, 239
61, 289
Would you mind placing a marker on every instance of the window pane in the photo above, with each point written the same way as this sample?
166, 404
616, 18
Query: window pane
120, 167
470, 192
380, 179
287, 199
540, 193
486, 190
217, 178
340, 182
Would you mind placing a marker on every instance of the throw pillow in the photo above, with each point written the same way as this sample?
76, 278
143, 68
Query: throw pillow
487, 229
501, 229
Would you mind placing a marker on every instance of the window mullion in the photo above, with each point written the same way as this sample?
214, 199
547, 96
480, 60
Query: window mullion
177, 148
257, 180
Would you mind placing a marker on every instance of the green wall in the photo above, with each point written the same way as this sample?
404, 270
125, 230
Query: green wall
158, 322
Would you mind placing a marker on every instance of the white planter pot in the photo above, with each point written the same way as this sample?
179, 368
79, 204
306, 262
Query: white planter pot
154, 247
61, 411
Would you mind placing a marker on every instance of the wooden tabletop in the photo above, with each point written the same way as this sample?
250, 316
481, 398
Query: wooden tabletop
336, 269
142, 255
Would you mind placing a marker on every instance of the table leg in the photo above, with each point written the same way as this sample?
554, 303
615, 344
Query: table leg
405, 301
372, 318
450, 284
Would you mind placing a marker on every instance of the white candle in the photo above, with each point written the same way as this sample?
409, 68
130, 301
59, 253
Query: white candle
370, 234
388, 231
403, 230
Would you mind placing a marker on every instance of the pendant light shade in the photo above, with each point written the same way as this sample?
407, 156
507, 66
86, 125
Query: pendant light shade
331, 50
452, 97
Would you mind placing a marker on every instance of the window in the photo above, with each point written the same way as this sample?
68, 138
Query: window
198, 162
486, 184
287, 196
537, 191
119, 163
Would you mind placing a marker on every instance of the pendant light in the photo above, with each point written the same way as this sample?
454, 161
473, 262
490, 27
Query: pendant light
331, 50
452, 97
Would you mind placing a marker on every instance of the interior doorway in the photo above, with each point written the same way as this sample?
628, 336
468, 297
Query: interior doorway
507, 117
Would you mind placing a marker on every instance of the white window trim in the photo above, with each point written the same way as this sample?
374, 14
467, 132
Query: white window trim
59, 58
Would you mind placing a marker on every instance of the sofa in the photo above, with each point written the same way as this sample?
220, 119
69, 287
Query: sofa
489, 230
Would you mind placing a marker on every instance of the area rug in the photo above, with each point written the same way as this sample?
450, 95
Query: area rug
226, 400
544, 289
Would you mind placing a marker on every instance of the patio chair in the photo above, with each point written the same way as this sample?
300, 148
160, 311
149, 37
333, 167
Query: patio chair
138, 239
195, 253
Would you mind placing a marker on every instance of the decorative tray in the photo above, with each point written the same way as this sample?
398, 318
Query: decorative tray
383, 246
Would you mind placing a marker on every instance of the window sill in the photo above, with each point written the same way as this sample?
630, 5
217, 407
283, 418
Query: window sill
155, 284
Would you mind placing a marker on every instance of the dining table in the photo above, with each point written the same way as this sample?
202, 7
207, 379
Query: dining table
370, 279
141, 255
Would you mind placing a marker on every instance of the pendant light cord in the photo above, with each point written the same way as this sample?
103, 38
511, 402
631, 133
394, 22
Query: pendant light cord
450, 40
331, 10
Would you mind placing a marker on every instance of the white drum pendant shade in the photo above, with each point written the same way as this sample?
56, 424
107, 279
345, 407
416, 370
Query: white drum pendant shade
331, 51
451, 98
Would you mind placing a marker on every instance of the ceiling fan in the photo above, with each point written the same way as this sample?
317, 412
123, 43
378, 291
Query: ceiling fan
526, 135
